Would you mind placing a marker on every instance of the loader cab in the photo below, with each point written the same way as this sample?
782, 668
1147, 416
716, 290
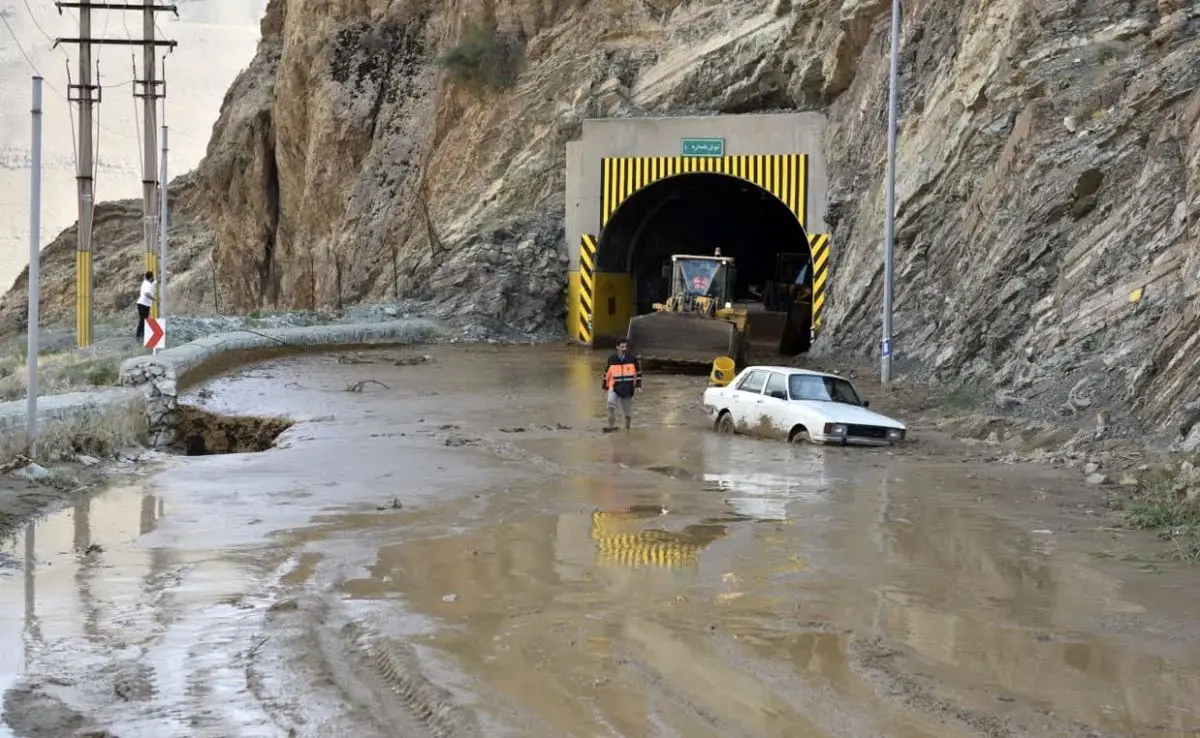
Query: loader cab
702, 282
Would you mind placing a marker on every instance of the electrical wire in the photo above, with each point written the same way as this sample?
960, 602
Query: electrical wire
33, 18
71, 115
28, 59
137, 125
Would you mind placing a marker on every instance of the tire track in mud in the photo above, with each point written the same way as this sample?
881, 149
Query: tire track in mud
899, 679
377, 681
396, 664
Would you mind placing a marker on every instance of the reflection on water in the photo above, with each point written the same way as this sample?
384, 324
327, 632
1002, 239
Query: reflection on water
768, 496
620, 540
67, 560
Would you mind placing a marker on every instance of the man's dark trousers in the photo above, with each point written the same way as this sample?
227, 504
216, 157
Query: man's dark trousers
143, 313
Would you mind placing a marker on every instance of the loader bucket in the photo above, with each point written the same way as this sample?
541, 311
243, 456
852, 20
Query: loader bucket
682, 338
766, 331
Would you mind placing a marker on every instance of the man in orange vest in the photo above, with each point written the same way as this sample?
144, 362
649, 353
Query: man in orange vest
622, 378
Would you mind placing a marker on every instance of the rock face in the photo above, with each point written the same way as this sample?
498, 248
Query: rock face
1048, 186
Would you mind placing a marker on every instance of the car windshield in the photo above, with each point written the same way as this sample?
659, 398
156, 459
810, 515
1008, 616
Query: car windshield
822, 389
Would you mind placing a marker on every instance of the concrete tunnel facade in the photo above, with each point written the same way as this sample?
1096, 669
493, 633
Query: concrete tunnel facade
636, 188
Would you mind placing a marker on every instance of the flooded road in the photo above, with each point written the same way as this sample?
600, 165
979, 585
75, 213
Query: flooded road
452, 548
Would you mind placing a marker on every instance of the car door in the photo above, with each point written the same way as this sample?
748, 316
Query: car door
775, 404
747, 398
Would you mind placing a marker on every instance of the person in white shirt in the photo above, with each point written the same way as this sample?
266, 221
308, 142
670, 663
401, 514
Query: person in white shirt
144, 301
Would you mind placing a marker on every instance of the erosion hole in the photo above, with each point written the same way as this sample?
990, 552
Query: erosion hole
203, 433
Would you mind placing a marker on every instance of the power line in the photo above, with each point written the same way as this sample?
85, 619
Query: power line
28, 59
33, 18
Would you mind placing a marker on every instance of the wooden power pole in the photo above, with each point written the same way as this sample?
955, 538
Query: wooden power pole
87, 94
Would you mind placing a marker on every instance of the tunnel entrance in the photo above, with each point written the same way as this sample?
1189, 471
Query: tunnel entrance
698, 213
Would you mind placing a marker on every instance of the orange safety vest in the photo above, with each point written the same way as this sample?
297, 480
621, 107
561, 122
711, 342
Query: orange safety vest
623, 375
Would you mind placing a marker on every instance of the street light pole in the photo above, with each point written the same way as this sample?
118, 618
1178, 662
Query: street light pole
35, 258
885, 368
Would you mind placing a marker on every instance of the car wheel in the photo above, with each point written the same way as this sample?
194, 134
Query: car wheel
725, 424
800, 437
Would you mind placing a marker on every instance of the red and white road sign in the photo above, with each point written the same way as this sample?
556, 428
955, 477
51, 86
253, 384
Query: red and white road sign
156, 331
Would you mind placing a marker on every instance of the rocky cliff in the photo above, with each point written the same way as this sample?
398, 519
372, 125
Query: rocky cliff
1048, 192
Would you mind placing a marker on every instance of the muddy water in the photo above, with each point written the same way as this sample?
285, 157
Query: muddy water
454, 549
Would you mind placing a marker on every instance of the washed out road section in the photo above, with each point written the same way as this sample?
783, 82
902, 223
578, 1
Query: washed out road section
445, 544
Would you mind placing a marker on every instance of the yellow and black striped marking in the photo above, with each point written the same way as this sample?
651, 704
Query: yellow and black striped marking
783, 175
819, 246
83, 299
587, 288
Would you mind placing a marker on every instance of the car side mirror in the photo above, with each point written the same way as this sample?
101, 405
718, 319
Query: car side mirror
866, 403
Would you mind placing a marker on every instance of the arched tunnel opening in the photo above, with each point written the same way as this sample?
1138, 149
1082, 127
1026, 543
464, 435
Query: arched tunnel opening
698, 214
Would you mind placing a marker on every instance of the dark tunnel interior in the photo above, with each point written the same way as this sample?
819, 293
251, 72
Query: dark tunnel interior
697, 213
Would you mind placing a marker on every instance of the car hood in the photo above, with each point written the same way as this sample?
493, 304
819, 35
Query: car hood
837, 412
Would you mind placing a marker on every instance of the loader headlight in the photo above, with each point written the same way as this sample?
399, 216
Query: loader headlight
729, 306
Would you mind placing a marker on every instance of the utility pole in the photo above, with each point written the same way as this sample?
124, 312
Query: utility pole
150, 91
88, 95
885, 367
163, 224
35, 260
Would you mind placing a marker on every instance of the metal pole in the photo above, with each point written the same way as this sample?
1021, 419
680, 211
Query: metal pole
83, 258
885, 369
150, 150
35, 259
162, 230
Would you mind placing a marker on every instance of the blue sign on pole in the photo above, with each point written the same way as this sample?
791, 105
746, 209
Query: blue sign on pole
887, 348
702, 147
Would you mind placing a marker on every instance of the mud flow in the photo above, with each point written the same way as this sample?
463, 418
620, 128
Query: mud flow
453, 548
202, 433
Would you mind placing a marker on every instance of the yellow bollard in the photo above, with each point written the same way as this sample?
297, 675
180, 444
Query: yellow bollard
722, 371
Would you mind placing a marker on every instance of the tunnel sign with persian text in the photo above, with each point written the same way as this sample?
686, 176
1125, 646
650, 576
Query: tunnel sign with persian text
702, 147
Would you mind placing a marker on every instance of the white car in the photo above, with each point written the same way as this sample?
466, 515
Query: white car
800, 406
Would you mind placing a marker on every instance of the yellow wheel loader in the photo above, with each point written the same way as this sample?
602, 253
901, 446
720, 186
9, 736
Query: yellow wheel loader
698, 321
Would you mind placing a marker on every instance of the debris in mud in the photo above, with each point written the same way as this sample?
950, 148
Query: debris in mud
395, 505
457, 440
360, 386
674, 472
202, 433
17, 462
32, 472
413, 360
516, 429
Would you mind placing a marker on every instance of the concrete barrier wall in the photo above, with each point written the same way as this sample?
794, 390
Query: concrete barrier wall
163, 375
98, 421
145, 407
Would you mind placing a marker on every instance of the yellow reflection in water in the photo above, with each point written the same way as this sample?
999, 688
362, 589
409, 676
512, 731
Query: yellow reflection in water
620, 541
